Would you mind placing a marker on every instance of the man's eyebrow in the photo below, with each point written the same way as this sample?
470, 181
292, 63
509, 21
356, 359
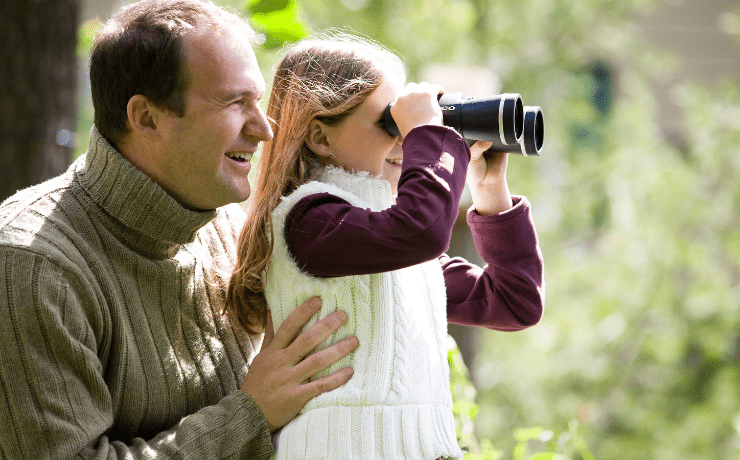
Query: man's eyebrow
240, 93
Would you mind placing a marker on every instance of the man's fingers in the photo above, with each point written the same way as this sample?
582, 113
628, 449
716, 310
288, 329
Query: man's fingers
311, 338
321, 360
278, 379
328, 383
269, 334
291, 327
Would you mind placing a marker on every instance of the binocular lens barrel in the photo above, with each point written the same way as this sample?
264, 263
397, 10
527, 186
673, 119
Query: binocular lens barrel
497, 119
501, 119
533, 136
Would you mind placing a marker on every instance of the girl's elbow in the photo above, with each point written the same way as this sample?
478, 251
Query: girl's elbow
433, 249
437, 243
426, 245
533, 318
535, 312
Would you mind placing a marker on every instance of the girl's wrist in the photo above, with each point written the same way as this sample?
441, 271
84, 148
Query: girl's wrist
492, 197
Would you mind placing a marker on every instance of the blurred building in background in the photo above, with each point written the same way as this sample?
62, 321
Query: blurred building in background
697, 34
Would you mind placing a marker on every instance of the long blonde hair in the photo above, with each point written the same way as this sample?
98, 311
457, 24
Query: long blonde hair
325, 79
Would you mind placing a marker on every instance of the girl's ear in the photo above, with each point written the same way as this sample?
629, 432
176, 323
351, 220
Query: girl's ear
316, 138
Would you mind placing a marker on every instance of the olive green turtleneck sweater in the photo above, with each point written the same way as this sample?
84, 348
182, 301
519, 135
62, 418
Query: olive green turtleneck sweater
113, 342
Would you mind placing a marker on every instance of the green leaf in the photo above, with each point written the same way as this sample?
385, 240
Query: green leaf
279, 22
543, 456
525, 434
267, 6
86, 36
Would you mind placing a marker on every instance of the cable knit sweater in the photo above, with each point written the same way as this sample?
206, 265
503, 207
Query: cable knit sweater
398, 403
113, 345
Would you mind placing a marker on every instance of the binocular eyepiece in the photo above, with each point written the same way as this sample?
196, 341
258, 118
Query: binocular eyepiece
501, 119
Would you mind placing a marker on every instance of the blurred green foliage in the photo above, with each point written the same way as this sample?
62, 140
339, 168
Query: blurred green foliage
277, 20
86, 36
638, 354
534, 443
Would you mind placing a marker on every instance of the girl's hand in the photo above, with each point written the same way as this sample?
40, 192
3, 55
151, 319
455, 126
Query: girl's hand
487, 179
417, 106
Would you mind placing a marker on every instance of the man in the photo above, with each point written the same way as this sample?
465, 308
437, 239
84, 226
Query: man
114, 345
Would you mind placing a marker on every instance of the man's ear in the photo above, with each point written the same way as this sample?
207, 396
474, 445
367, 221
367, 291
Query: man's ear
142, 115
317, 138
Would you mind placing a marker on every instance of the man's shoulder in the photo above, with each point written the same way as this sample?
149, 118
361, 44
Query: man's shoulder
39, 218
230, 220
233, 213
221, 235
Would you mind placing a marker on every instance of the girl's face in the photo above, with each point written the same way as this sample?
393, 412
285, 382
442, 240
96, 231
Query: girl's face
360, 143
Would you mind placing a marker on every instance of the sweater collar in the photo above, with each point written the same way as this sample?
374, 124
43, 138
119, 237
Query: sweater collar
152, 219
373, 190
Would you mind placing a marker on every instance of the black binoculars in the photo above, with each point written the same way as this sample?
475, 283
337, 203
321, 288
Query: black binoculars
501, 119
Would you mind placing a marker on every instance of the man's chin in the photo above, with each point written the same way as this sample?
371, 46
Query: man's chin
243, 196
229, 196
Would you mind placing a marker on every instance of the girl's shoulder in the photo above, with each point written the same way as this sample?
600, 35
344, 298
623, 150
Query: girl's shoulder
357, 188
308, 189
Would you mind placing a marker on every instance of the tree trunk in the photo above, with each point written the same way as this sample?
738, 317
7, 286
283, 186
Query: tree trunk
38, 83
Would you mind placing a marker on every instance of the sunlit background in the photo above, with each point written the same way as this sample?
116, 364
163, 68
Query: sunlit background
636, 198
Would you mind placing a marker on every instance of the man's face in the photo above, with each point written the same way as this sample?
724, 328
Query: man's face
204, 155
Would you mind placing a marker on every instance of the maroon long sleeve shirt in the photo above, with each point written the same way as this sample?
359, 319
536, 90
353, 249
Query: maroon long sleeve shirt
329, 237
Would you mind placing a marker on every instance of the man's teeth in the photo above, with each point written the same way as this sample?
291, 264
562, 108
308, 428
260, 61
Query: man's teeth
395, 161
244, 156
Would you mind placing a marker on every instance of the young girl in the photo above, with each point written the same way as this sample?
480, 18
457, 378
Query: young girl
323, 222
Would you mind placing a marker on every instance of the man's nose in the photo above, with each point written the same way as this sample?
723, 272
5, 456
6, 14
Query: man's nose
258, 126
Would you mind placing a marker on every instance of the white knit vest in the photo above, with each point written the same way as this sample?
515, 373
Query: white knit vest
398, 403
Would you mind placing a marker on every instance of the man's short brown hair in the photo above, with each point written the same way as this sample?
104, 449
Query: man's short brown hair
140, 50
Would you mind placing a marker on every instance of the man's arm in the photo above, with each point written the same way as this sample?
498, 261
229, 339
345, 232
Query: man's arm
56, 403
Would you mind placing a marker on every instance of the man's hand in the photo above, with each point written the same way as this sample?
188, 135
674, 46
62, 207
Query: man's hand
277, 380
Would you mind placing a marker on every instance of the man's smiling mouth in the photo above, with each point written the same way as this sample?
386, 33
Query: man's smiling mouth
239, 156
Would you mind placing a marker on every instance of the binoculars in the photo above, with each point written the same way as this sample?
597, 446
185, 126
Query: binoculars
501, 119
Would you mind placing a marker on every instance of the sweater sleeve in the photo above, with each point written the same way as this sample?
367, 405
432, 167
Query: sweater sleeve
508, 293
55, 401
329, 237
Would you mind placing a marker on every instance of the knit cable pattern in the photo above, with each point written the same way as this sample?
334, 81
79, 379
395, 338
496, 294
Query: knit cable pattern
398, 403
